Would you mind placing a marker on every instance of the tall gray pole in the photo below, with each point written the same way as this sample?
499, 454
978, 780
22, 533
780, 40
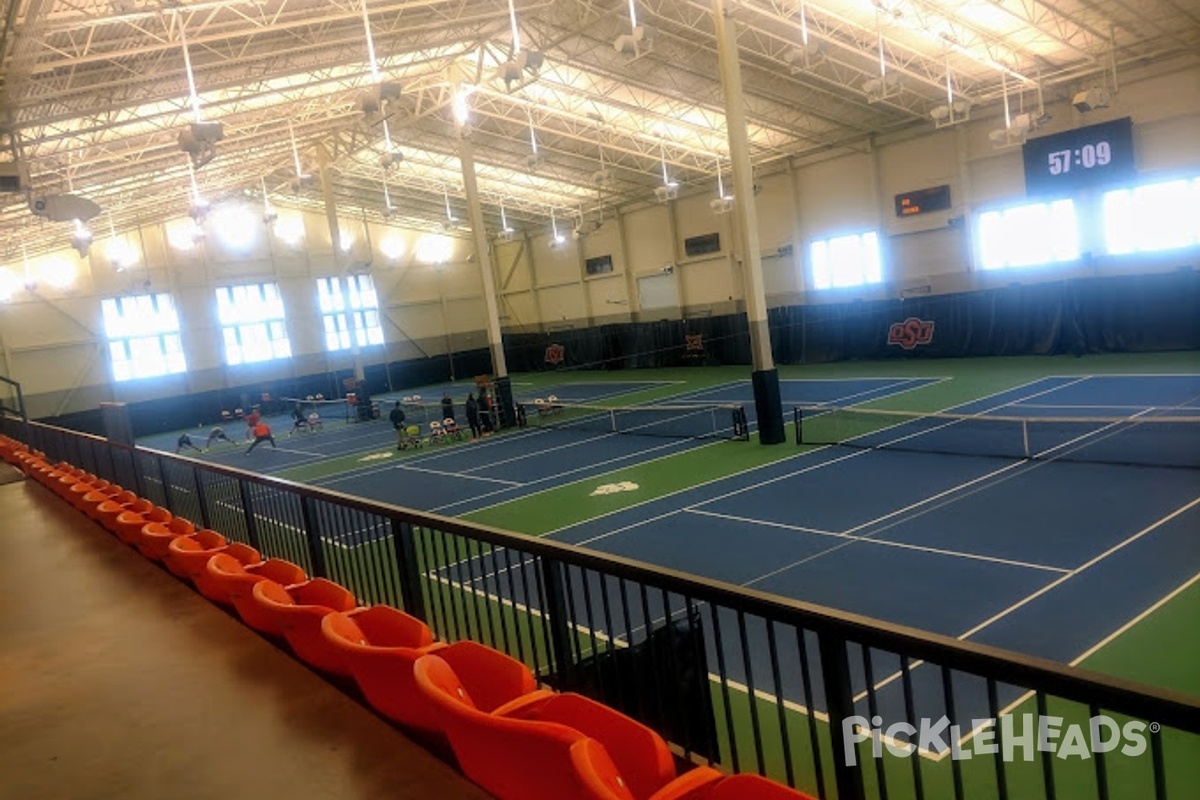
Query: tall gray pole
765, 378
335, 236
483, 254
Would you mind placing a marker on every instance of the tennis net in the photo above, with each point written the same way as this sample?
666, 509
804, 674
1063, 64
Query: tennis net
700, 421
326, 410
1157, 437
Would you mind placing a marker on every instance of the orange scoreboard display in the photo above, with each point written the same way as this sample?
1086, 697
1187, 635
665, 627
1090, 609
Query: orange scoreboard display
922, 201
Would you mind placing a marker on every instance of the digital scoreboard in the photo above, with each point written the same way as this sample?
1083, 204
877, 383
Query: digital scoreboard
1080, 159
923, 201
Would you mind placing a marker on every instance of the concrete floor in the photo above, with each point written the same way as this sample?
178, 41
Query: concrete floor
119, 681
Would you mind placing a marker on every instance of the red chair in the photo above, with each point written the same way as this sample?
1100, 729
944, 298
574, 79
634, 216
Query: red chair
154, 540
516, 759
297, 612
753, 787
185, 551
641, 754
155, 537
239, 583
533, 759
128, 525
380, 645
82, 489
216, 590
97, 504
108, 515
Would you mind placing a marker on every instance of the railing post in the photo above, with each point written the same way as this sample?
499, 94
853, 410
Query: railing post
404, 543
315, 551
162, 480
560, 626
248, 513
135, 465
839, 699
202, 499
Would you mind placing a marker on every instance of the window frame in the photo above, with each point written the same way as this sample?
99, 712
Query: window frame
824, 276
350, 316
143, 336
1057, 251
250, 337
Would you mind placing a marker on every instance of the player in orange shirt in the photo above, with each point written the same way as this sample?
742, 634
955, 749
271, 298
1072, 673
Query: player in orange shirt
262, 433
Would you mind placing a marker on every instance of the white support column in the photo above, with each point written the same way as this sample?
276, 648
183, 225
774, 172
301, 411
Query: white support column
483, 255
765, 378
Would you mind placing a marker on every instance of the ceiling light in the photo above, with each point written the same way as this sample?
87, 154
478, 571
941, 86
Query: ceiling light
81, 239
9, 284
392, 247
58, 273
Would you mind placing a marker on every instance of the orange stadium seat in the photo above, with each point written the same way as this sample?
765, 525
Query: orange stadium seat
217, 590
378, 646
516, 759
381, 646
128, 525
239, 587
110, 500
298, 611
519, 758
641, 754
183, 551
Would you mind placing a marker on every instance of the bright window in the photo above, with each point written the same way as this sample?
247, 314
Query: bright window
846, 261
1022, 236
143, 336
351, 312
1157, 216
253, 323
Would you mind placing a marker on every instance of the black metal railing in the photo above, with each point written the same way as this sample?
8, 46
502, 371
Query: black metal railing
750, 681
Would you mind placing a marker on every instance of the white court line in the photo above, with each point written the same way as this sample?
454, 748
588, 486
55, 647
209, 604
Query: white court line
300, 452
676, 444
1075, 662
800, 455
1049, 586
884, 542
1135, 375
1144, 408
1086, 565
455, 474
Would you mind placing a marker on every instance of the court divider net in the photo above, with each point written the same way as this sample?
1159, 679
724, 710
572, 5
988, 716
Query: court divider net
692, 421
1161, 437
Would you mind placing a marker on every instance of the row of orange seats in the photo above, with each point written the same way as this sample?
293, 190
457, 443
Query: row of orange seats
516, 740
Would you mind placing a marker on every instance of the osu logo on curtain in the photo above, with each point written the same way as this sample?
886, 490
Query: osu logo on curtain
555, 354
911, 332
694, 341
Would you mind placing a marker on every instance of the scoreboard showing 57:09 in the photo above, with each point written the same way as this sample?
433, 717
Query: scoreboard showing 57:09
1080, 159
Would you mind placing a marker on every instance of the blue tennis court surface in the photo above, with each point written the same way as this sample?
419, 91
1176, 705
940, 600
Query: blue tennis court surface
1048, 557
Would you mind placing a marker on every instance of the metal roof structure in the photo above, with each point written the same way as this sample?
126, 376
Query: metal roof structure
96, 94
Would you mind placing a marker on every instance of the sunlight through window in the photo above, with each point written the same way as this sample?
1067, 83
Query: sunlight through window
1157, 216
350, 311
143, 336
1028, 235
843, 261
253, 323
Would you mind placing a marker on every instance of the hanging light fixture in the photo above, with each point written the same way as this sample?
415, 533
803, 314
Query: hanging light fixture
269, 214
722, 203
557, 240
640, 39
670, 189
198, 139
